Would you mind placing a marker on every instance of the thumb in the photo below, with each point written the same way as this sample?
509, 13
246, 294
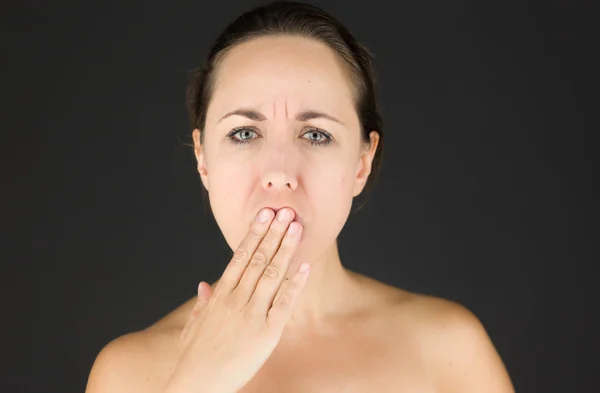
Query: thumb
204, 294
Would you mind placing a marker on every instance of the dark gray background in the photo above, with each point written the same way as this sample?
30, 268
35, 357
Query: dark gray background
485, 195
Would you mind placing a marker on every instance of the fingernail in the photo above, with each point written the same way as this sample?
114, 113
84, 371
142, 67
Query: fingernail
264, 215
283, 215
294, 226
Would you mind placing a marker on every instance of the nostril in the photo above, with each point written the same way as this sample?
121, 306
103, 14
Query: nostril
289, 185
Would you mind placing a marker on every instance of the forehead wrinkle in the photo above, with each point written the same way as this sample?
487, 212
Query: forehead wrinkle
285, 106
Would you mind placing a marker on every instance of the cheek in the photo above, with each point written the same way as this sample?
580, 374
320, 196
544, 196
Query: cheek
334, 181
330, 196
325, 192
342, 183
230, 187
226, 184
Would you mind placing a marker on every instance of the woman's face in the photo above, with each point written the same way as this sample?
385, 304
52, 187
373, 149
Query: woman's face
289, 156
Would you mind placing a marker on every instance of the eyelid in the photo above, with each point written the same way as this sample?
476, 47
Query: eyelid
241, 128
251, 128
327, 138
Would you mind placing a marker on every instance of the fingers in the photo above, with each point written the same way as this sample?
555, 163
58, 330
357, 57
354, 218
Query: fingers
204, 294
282, 289
237, 266
274, 274
280, 312
270, 261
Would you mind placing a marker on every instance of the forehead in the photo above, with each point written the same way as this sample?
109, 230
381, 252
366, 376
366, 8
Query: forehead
303, 72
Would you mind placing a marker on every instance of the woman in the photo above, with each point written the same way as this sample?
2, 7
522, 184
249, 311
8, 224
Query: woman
285, 121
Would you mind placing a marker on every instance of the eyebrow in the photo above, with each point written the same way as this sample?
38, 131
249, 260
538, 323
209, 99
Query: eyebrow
302, 116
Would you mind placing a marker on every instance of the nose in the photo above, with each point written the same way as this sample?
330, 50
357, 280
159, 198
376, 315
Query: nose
278, 180
279, 163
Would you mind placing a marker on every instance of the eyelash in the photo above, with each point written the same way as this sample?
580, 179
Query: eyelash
312, 129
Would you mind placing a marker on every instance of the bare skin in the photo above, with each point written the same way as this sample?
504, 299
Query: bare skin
391, 340
347, 332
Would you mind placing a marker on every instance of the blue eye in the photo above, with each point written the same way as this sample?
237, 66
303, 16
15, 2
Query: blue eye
248, 131
239, 131
323, 141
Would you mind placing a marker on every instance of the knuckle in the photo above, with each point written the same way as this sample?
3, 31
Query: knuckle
259, 258
278, 232
241, 254
256, 230
272, 272
287, 245
284, 301
195, 312
294, 285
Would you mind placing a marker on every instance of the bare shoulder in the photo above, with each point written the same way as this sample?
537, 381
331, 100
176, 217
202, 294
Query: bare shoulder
140, 361
453, 342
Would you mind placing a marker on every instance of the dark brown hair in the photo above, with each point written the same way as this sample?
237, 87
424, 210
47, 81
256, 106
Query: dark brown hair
294, 19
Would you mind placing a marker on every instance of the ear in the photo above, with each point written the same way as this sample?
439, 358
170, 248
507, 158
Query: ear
363, 170
200, 157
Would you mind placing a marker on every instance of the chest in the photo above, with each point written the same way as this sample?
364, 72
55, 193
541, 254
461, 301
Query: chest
348, 367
